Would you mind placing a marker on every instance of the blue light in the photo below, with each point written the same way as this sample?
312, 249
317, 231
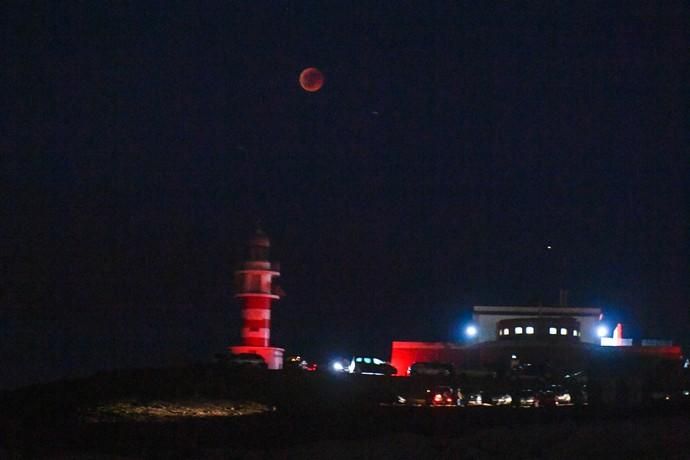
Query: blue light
471, 330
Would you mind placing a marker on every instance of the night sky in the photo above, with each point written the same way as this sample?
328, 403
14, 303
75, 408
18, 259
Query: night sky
450, 145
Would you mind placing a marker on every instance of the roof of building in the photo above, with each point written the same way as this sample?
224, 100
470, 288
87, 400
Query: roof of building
538, 310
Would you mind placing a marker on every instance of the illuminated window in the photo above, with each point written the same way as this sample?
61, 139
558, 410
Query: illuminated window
529, 330
359, 360
574, 333
518, 330
500, 332
564, 331
506, 331
367, 360
552, 331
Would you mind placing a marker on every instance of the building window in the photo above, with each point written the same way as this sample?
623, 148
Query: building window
506, 331
564, 331
552, 331
518, 330
500, 332
574, 333
529, 330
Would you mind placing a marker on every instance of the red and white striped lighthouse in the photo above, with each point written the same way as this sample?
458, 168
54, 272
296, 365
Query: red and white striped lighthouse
255, 291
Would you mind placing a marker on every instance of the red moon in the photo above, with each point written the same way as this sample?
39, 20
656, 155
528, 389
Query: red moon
311, 79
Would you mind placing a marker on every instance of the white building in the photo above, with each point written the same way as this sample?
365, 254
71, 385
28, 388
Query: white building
487, 318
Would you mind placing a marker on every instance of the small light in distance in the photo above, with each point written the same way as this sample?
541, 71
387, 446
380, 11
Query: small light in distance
602, 331
471, 330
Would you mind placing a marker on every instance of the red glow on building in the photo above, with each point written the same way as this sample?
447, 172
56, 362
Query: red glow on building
405, 354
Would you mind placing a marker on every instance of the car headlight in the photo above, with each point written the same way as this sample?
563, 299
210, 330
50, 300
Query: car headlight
475, 398
503, 399
563, 398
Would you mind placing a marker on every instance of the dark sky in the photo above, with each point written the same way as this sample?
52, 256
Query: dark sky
450, 145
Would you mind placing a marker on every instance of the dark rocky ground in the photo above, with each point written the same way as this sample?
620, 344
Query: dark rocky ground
204, 412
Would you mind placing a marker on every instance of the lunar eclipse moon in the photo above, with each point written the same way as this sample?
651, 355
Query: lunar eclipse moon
311, 79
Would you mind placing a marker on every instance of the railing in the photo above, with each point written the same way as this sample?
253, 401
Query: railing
275, 290
263, 264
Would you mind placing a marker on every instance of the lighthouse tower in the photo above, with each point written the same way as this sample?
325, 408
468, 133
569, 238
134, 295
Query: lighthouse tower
255, 291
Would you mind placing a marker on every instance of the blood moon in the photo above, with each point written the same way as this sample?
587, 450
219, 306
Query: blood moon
311, 79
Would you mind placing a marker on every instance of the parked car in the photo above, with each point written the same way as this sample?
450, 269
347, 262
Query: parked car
294, 363
528, 398
549, 397
474, 398
370, 366
246, 361
443, 396
501, 399
430, 369
561, 396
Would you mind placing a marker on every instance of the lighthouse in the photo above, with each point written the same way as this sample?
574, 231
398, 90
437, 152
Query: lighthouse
255, 292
